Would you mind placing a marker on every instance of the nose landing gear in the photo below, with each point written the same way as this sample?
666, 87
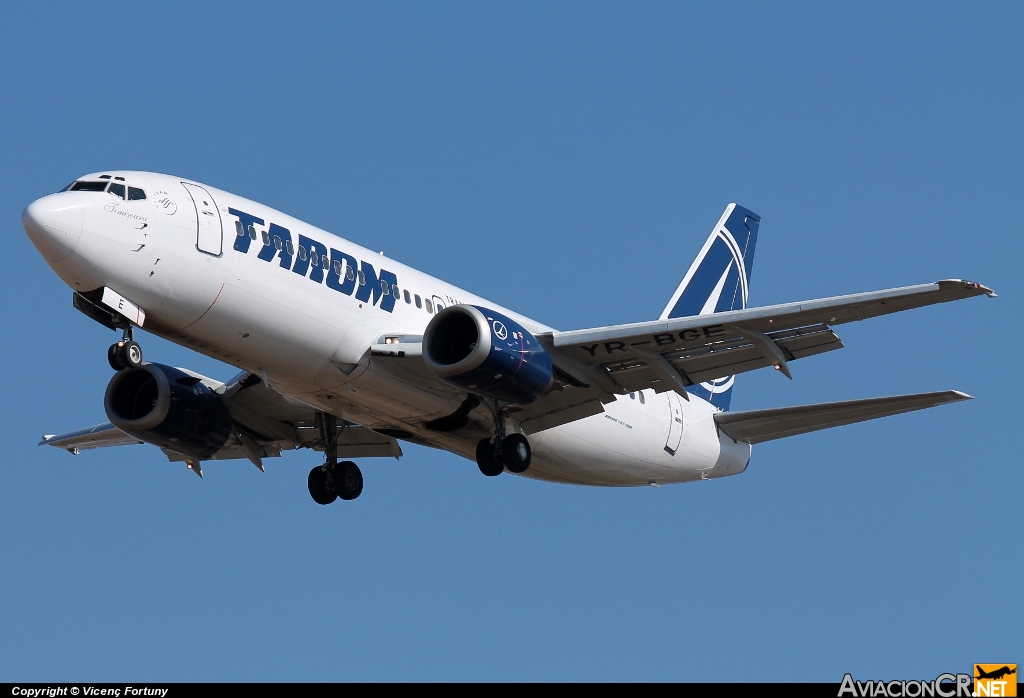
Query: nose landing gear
125, 354
501, 452
333, 480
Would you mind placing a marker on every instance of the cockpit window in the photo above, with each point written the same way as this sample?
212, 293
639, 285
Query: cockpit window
115, 188
88, 186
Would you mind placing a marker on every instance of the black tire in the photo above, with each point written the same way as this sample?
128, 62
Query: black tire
115, 358
485, 459
347, 480
516, 453
132, 353
318, 487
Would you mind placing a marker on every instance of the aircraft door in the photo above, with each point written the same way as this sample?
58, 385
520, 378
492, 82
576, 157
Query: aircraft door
209, 231
675, 424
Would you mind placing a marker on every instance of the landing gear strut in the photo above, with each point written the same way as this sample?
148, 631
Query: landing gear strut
333, 480
501, 452
125, 354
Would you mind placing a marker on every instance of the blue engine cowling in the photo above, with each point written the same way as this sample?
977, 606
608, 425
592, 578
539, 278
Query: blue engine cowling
169, 408
486, 353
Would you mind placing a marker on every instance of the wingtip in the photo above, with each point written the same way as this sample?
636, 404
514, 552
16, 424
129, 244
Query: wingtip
960, 395
972, 285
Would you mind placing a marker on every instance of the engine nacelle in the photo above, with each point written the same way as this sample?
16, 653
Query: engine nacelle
168, 408
486, 353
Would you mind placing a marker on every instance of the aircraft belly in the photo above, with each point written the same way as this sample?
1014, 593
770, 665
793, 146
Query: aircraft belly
620, 447
626, 446
392, 402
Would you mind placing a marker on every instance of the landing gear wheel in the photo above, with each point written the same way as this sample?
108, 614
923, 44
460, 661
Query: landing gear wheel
516, 453
485, 459
318, 486
132, 353
115, 358
347, 480
124, 354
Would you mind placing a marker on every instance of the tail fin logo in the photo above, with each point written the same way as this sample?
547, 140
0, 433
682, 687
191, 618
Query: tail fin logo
719, 281
719, 278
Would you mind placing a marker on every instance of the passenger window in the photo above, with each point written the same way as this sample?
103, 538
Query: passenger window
302, 253
362, 278
430, 308
398, 294
632, 396
238, 229
88, 186
350, 273
116, 189
314, 258
384, 287
288, 246
266, 238
407, 299
252, 232
419, 303
277, 243
337, 268
136, 194
642, 401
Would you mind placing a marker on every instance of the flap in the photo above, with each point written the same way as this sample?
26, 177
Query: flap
354, 442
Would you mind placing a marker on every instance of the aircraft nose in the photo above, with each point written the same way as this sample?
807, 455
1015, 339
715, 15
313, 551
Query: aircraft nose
54, 224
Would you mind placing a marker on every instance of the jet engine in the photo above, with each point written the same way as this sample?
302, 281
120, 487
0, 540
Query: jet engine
169, 408
486, 353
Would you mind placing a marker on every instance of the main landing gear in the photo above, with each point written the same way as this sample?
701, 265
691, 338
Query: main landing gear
333, 480
125, 354
501, 452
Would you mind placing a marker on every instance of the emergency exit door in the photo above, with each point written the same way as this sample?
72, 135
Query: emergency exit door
209, 232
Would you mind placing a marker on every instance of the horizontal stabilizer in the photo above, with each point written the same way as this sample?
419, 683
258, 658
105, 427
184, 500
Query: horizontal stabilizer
765, 425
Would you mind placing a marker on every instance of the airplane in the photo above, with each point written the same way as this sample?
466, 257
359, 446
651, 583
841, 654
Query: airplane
995, 674
348, 352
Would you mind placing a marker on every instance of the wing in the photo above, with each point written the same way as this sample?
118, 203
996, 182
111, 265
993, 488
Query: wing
265, 424
765, 425
97, 436
674, 353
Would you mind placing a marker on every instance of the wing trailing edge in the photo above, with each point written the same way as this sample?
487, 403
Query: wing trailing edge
757, 426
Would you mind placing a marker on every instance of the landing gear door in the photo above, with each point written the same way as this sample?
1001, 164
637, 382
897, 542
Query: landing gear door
675, 424
209, 231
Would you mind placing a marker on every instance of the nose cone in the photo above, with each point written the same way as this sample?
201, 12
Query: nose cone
54, 224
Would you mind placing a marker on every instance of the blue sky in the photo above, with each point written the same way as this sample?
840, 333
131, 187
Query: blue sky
566, 160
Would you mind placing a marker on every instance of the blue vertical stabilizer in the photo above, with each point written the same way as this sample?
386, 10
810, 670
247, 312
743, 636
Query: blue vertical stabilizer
717, 281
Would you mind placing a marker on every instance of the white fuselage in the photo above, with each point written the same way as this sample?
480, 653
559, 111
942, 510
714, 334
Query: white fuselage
309, 337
